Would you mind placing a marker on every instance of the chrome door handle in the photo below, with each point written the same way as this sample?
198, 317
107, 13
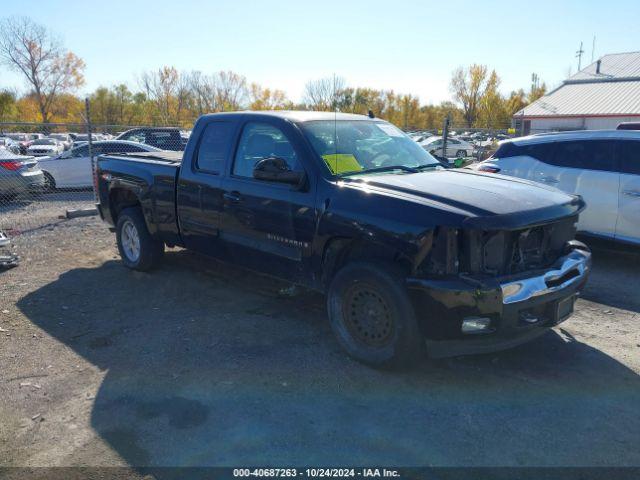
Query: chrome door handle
632, 193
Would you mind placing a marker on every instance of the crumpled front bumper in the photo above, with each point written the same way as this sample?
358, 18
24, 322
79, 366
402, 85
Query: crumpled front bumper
519, 309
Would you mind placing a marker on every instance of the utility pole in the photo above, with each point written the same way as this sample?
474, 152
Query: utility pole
593, 48
579, 54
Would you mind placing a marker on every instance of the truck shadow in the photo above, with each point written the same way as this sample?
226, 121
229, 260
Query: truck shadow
614, 277
206, 365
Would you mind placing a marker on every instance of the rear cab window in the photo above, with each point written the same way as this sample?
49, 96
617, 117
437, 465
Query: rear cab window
214, 146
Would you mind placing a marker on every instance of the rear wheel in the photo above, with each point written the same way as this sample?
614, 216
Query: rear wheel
49, 182
461, 154
372, 316
138, 248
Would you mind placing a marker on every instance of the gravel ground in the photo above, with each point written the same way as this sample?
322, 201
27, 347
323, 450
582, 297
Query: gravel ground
200, 364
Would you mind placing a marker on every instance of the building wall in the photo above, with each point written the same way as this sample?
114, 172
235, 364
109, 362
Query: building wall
578, 123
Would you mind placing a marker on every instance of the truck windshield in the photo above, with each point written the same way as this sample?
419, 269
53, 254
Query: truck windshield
351, 147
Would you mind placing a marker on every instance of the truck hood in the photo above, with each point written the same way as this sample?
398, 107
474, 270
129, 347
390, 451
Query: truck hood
485, 200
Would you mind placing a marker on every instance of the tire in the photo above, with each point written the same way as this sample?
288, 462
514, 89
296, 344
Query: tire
461, 154
49, 182
138, 249
372, 316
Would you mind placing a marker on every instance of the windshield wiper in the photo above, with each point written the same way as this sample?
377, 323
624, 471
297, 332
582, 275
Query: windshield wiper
429, 165
388, 168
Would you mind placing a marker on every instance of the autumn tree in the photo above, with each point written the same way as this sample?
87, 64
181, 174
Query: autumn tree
266, 98
50, 70
8, 109
230, 90
468, 86
491, 105
169, 90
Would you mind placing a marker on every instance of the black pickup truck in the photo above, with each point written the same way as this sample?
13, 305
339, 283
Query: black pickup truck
410, 254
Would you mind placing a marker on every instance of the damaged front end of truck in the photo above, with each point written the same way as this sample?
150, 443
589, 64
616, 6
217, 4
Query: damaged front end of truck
494, 283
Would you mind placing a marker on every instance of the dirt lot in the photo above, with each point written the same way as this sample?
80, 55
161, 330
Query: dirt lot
199, 364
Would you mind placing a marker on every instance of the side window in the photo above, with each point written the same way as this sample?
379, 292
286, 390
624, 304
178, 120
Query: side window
506, 150
258, 141
542, 152
629, 156
82, 151
120, 148
214, 146
97, 150
588, 154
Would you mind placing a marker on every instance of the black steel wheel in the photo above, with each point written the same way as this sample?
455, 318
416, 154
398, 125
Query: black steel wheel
372, 315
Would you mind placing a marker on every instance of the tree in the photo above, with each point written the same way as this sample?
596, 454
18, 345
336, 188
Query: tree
230, 90
49, 69
491, 112
468, 86
266, 99
169, 91
8, 109
322, 94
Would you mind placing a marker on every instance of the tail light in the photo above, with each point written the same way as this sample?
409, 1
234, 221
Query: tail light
11, 165
488, 168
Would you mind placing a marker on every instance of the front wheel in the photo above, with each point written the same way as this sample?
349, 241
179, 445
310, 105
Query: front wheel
461, 154
138, 248
372, 316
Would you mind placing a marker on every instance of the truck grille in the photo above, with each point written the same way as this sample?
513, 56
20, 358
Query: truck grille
506, 252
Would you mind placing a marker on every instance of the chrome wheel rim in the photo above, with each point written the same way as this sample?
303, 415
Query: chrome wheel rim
130, 241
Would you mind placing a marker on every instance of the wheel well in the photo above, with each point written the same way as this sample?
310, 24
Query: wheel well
47, 175
340, 251
119, 199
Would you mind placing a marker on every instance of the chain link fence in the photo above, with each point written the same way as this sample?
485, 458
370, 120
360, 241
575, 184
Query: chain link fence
46, 176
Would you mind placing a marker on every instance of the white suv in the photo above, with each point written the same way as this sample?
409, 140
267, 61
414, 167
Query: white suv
603, 166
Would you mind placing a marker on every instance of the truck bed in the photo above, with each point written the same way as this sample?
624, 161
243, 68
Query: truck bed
152, 175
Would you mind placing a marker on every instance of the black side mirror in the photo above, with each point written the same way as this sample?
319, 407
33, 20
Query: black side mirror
275, 169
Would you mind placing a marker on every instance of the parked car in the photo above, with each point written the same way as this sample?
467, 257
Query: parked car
9, 144
45, 147
83, 138
165, 138
22, 139
629, 126
72, 169
455, 148
18, 175
601, 166
63, 138
349, 205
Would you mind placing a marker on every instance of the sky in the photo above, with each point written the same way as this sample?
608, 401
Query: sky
408, 46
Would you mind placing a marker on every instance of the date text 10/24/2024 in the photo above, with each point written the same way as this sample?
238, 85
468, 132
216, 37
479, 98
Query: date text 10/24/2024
316, 472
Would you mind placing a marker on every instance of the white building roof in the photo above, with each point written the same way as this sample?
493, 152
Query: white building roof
615, 90
613, 65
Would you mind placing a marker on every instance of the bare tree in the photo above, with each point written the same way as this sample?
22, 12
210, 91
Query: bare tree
322, 94
30, 49
231, 90
203, 94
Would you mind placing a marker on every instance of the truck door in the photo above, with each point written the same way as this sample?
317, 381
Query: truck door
199, 191
267, 226
628, 225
